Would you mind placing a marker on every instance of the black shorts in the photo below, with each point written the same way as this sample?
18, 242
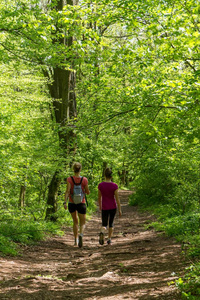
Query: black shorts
108, 216
81, 208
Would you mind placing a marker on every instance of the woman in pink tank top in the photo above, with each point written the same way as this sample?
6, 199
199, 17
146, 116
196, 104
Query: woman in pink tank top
108, 199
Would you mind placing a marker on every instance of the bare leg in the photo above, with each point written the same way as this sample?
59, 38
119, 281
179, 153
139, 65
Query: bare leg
110, 232
75, 226
82, 219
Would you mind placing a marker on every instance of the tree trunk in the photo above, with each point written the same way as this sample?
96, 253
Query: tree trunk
62, 90
22, 193
65, 109
123, 175
52, 197
22, 196
103, 170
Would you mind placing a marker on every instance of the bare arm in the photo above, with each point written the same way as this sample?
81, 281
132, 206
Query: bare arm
67, 194
87, 191
99, 200
118, 202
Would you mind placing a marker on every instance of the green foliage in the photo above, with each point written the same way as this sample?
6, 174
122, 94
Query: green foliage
137, 91
190, 283
23, 231
180, 226
7, 247
153, 185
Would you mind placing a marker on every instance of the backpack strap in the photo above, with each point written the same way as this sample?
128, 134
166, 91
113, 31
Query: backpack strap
81, 180
75, 182
72, 179
86, 200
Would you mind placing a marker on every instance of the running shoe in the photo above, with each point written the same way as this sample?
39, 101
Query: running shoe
109, 242
80, 241
101, 238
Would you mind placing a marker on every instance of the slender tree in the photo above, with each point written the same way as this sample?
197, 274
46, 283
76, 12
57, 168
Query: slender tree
62, 90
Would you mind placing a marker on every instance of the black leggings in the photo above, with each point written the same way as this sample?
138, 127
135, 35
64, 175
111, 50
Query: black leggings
108, 215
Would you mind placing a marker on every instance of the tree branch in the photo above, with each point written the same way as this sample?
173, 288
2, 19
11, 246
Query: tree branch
124, 113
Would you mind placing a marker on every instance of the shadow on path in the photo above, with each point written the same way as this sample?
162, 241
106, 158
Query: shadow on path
140, 264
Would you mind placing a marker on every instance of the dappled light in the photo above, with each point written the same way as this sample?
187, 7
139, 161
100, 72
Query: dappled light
110, 84
140, 264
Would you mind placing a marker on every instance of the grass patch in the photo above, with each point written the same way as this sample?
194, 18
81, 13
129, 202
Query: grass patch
25, 232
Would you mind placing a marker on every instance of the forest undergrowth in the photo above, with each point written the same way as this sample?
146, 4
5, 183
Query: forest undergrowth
185, 227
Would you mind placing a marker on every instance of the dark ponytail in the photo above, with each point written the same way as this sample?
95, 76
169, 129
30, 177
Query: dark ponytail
108, 173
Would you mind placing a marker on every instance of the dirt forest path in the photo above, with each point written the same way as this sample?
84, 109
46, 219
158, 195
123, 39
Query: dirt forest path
138, 265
